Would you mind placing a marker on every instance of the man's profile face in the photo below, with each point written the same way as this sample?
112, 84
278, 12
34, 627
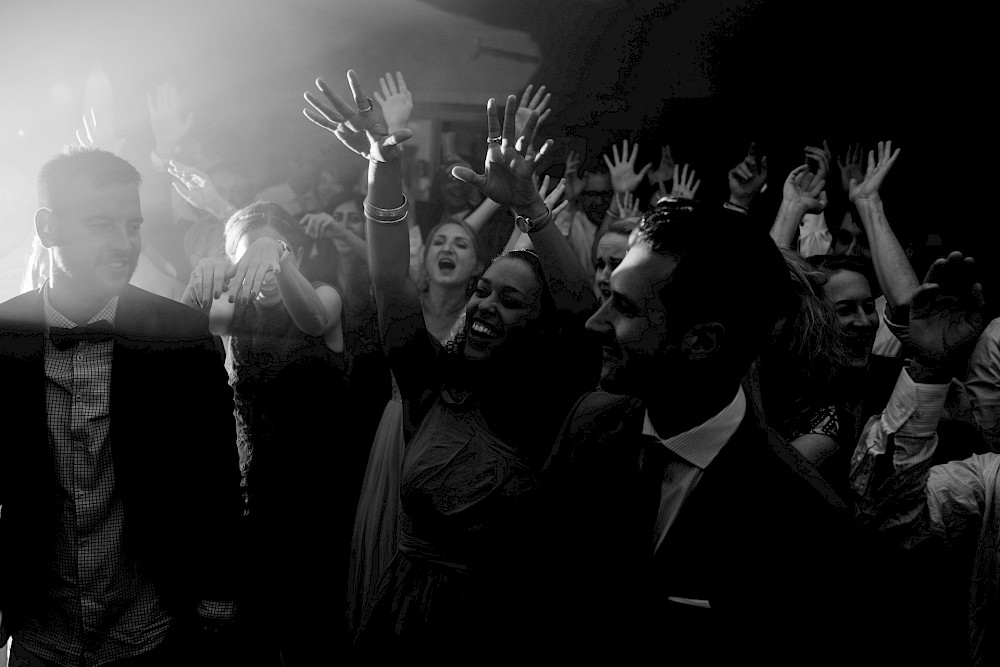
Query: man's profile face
96, 241
644, 326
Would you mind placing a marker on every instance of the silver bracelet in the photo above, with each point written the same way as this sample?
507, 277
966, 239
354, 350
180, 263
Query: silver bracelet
386, 214
394, 221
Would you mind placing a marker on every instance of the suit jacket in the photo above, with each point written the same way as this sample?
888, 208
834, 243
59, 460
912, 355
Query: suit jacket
173, 447
762, 538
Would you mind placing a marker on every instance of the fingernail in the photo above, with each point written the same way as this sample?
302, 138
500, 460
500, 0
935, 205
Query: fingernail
232, 299
218, 294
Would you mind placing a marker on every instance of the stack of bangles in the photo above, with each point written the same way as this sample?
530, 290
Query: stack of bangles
387, 216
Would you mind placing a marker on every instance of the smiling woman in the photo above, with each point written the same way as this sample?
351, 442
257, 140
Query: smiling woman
459, 576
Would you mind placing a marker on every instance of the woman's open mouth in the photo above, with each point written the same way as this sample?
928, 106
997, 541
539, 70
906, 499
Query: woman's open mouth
481, 329
447, 264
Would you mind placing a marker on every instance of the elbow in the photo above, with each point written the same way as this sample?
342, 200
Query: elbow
315, 326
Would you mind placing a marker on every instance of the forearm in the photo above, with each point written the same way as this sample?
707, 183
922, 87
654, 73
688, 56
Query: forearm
357, 244
787, 222
567, 280
892, 268
301, 300
388, 244
483, 214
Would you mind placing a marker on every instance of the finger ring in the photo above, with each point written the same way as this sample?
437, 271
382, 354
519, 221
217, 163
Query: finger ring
493, 140
371, 105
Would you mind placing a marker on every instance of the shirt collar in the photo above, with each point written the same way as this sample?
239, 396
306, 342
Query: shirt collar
701, 444
53, 318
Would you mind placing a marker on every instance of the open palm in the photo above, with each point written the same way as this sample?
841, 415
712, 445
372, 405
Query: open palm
875, 175
507, 179
363, 130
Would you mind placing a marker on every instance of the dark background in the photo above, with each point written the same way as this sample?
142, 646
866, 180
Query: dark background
710, 77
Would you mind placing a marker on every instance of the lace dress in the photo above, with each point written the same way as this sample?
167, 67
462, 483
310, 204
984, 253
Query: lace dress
287, 388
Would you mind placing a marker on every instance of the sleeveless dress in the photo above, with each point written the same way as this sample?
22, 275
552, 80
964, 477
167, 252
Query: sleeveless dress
376, 523
464, 493
287, 386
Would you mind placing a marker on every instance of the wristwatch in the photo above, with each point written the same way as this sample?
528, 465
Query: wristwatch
527, 225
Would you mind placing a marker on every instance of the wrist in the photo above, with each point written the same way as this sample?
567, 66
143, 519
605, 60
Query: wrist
221, 209
868, 203
533, 210
742, 202
929, 371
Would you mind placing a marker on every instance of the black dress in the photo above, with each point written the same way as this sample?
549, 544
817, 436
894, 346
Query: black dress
287, 388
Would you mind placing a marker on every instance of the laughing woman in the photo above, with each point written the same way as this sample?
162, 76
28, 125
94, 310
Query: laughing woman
482, 412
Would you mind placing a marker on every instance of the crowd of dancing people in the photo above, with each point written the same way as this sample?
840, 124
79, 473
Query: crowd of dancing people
491, 419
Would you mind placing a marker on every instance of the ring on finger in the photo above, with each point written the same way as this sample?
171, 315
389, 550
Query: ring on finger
371, 105
493, 140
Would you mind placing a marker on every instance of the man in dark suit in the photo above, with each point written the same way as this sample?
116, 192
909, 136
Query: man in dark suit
705, 537
119, 479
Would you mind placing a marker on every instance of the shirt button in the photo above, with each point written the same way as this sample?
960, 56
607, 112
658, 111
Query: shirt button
79, 357
79, 493
79, 397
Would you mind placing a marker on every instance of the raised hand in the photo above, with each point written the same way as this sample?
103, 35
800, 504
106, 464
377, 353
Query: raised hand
851, 166
508, 177
197, 189
574, 184
946, 319
539, 103
809, 196
628, 205
868, 188
260, 259
685, 187
208, 281
821, 157
747, 178
396, 101
169, 129
97, 135
623, 175
552, 198
361, 129
318, 225
665, 171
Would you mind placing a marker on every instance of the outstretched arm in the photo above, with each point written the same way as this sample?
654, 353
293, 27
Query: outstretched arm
892, 268
411, 349
797, 200
508, 181
904, 496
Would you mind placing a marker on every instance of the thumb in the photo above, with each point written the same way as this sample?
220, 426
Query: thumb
398, 137
468, 176
649, 165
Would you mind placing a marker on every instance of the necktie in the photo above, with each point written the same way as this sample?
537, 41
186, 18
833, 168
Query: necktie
95, 332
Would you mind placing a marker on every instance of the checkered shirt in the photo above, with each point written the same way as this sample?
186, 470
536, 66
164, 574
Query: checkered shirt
100, 607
